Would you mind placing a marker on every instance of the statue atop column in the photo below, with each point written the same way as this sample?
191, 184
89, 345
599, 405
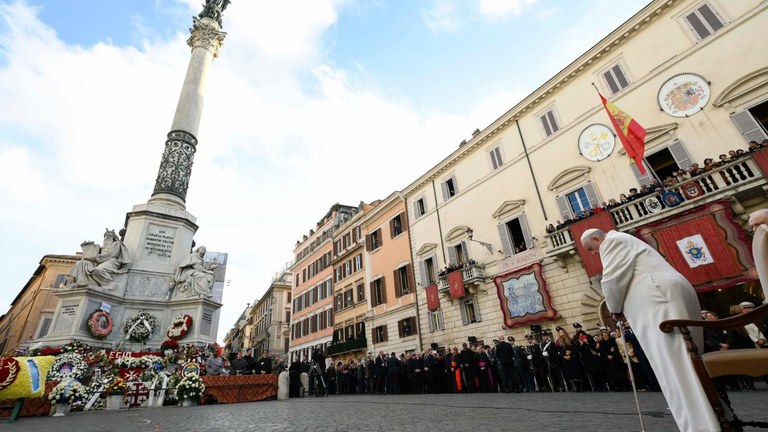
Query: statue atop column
99, 264
213, 9
195, 277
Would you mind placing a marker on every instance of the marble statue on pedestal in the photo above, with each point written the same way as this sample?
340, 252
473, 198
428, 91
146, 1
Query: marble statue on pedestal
195, 277
99, 264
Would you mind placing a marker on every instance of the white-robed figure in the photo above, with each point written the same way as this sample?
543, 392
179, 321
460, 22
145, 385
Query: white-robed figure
641, 285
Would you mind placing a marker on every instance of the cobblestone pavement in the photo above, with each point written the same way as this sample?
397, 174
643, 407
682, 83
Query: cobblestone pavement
477, 412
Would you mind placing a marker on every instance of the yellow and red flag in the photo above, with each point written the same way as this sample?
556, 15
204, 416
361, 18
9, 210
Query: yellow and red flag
631, 134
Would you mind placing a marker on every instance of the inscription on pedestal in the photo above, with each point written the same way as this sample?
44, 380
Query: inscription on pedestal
66, 318
158, 245
140, 285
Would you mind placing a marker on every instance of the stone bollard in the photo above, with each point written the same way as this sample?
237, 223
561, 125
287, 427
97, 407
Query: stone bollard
304, 377
283, 386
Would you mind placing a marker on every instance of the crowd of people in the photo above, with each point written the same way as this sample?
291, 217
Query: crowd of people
657, 186
567, 362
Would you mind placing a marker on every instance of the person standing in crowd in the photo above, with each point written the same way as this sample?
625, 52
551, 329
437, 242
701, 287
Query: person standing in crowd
393, 371
468, 365
360, 373
453, 369
239, 365
429, 370
250, 362
590, 358
370, 374
611, 361
638, 283
552, 362
505, 355
573, 371
214, 364
537, 362
264, 365
484, 374
522, 368
381, 372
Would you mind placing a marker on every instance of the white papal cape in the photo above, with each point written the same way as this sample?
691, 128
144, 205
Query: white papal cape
641, 284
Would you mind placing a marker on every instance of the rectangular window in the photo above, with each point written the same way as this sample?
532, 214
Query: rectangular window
515, 235
349, 331
428, 272
449, 188
470, 313
374, 240
44, 327
360, 329
615, 79
436, 320
458, 254
348, 267
407, 327
420, 207
348, 298
578, 202
338, 274
380, 334
329, 317
496, 159
339, 302
402, 278
378, 293
704, 21
360, 292
396, 226
358, 263
357, 233
549, 123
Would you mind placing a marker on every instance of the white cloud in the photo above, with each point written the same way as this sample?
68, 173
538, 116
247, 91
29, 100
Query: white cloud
442, 16
284, 135
501, 9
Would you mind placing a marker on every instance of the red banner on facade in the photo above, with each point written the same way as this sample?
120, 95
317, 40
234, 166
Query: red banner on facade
603, 221
433, 299
456, 283
705, 245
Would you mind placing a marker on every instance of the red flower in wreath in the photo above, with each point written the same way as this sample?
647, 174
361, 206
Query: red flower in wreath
100, 324
179, 327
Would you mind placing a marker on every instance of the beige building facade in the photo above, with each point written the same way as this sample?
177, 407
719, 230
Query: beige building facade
32, 311
694, 75
271, 317
392, 320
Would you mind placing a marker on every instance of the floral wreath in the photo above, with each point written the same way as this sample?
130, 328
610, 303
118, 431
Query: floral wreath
179, 327
190, 387
139, 327
68, 366
94, 325
144, 362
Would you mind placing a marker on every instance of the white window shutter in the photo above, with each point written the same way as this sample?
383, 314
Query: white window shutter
594, 200
749, 127
526, 232
463, 308
643, 179
452, 254
506, 242
444, 187
681, 155
562, 205
466, 250
423, 271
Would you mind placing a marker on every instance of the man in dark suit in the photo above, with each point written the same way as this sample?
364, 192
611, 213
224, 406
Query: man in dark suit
264, 365
380, 367
469, 367
506, 357
429, 370
393, 371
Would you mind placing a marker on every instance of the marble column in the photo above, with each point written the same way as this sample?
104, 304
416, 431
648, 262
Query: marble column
176, 164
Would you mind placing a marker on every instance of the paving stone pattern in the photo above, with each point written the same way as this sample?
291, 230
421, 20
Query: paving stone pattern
403, 413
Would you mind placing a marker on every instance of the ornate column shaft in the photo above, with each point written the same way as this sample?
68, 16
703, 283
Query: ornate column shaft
176, 165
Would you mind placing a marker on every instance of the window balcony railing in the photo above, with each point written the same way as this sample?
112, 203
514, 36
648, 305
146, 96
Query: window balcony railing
473, 275
348, 346
729, 181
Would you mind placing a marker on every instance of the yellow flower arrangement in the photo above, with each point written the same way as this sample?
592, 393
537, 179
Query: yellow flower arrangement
30, 381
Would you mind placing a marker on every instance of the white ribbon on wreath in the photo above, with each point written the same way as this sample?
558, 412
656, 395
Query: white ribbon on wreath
141, 321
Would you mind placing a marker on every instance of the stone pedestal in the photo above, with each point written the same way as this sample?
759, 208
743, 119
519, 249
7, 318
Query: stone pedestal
283, 386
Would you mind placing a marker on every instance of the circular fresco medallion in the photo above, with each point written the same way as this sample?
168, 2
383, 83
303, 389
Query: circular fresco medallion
684, 95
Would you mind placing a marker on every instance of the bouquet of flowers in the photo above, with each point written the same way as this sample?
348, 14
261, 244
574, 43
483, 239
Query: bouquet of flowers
115, 386
69, 391
97, 358
190, 387
170, 344
77, 347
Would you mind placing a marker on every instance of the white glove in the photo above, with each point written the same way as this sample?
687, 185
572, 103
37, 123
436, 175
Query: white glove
546, 354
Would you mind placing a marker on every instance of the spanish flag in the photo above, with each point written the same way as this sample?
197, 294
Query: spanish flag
631, 134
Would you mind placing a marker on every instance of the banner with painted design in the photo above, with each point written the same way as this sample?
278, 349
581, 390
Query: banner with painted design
695, 251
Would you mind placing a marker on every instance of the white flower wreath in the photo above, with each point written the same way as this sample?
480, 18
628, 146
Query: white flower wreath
139, 327
68, 366
145, 362
67, 392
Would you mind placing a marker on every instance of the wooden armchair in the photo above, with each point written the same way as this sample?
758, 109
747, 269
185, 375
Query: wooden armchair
752, 362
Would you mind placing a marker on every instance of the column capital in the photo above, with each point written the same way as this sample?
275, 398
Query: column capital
206, 33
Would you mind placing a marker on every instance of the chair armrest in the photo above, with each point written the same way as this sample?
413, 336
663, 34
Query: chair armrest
721, 324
